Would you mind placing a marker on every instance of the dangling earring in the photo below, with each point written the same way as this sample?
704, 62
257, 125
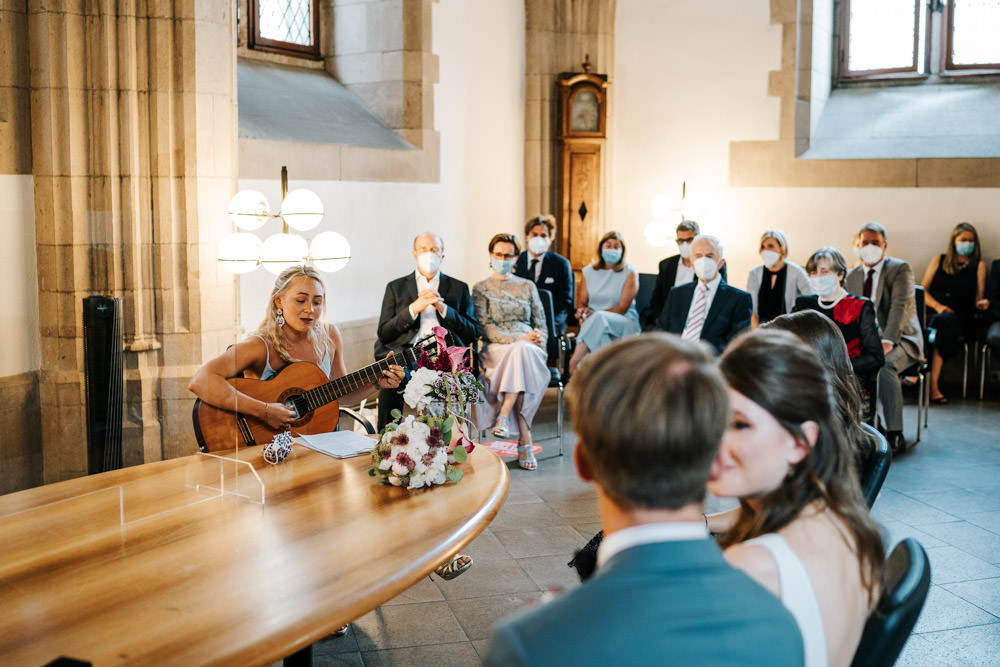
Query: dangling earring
279, 319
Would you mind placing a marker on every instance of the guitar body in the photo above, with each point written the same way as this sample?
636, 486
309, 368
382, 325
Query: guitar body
218, 429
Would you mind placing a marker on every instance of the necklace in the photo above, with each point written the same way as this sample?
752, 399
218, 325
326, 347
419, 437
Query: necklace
833, 303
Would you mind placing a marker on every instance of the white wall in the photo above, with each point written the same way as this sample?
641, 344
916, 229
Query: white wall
692, 77
19, 313
479, 112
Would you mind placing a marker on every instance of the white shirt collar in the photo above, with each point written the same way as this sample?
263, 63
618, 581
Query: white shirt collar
649, 533
423, 282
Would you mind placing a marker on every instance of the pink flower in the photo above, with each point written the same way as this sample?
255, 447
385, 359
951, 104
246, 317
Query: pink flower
404, 459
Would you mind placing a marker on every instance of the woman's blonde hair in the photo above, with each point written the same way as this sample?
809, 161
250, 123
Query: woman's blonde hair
269, 328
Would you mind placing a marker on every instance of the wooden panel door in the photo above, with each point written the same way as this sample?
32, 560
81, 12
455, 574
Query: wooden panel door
581, 201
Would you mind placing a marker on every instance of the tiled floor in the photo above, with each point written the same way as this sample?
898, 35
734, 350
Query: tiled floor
944, 493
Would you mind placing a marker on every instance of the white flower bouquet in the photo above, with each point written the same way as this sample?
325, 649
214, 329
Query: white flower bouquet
424, 450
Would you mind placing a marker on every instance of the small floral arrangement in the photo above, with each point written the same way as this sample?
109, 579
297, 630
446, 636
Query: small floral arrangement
424, 450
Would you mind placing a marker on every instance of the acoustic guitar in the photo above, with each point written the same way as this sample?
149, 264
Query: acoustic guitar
303, 388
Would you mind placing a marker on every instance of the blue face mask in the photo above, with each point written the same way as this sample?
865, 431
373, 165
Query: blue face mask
611, 256
502, 266
965, 248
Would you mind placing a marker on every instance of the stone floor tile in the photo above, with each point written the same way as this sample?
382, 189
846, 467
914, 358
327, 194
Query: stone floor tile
439, 655
965, 647
984, 593
422, 591
484, 549
950, 565
943, 610
486, 579
988, 520
550, 571
541, 541
477, 615
969, 538
537, 515
403, 625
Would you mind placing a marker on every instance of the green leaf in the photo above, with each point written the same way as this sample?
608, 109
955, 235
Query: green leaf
460, 454
454, 474
396, 414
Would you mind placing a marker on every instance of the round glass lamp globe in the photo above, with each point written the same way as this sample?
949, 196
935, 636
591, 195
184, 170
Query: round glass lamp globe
249, 209
239, 252
281, 251
657, 233
302, 209
330, 252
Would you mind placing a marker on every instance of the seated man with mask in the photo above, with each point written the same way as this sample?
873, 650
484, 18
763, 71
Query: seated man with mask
416, 303
707, 308
674, 270
547, 269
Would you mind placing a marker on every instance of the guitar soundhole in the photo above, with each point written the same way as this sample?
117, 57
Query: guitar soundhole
297, 404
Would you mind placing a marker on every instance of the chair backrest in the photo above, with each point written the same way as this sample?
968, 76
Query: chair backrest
907, 580
876, 466
552, 343
918, 298
647, 283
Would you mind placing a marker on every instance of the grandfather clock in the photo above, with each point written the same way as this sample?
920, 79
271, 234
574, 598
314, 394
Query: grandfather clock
583, 106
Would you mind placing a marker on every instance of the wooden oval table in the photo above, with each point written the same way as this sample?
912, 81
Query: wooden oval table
178, 562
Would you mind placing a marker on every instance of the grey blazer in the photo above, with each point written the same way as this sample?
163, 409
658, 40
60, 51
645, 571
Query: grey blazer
796, 284
667, 603
895, 307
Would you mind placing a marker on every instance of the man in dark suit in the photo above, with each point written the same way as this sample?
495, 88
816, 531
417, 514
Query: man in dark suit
663, 593
547, 269
708, 308
888, 282
674, 270
416, 303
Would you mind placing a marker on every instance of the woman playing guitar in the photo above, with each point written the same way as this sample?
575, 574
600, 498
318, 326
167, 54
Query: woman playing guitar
293, 330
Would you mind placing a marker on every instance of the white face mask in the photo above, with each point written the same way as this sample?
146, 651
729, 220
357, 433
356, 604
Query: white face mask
869, 254
825, 286
685, 249
769, 257
538, 244
428, 263
706, 268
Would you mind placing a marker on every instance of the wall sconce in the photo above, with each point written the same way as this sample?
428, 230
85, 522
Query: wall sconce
665, 210
301, 210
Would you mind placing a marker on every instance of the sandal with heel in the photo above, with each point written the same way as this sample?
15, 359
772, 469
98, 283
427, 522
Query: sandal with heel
502, 428
454, 567
526, 457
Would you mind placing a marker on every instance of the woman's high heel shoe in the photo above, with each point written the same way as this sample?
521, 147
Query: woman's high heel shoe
526, 457
502, 429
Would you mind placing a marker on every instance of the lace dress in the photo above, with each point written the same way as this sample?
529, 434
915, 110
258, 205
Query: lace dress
506, 310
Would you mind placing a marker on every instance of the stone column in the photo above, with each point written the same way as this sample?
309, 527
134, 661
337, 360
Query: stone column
559, 33
133, 136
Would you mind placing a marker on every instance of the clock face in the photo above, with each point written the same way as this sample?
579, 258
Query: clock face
584, 115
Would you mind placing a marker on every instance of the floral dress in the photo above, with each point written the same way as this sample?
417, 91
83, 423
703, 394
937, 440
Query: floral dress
506, 310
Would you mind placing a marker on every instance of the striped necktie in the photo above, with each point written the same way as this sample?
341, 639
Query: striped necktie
696, 320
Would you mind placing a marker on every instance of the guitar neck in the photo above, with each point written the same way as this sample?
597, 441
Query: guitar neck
334, 389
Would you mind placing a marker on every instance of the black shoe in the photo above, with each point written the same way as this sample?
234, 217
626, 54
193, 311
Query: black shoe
896, 442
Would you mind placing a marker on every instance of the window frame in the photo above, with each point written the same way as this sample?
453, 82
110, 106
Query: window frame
257, 43
942, 39
909, 73
948, 67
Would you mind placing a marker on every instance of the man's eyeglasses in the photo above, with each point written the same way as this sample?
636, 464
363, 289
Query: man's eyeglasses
496, 255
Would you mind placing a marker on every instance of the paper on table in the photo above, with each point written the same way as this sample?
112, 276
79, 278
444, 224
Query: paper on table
339, 444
